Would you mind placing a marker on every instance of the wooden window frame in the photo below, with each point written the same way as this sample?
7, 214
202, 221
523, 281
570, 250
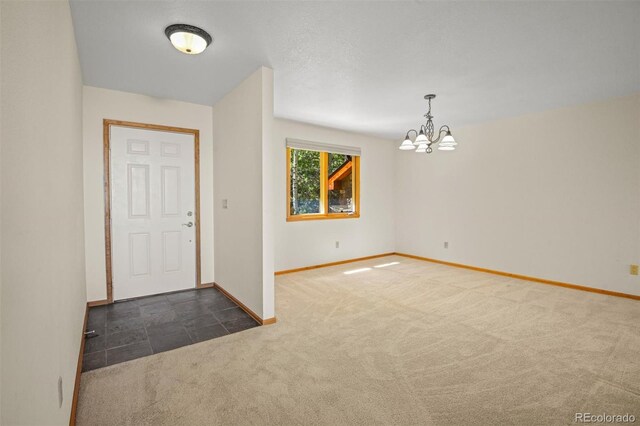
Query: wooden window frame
324, 192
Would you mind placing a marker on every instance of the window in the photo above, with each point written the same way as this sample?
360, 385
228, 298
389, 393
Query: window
322, 184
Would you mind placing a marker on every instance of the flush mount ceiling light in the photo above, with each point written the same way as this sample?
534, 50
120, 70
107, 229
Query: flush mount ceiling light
187, 38
425, 138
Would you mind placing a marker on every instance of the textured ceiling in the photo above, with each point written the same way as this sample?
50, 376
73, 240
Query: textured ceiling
365, 66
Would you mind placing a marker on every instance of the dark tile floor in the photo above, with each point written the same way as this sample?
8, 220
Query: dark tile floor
148, 325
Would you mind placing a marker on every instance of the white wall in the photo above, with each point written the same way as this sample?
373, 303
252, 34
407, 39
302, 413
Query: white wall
102, 103
269, 189
42, 246
242, 248
306, 243
552, 195
0, 218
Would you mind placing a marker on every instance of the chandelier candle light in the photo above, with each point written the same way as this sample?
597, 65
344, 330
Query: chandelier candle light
425, 138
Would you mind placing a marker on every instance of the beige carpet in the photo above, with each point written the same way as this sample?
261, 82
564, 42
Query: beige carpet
414, 343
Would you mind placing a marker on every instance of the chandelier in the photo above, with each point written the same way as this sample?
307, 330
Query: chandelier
425, 138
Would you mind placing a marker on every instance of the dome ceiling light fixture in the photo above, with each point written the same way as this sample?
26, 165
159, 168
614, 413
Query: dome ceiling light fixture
425, 138
187, 38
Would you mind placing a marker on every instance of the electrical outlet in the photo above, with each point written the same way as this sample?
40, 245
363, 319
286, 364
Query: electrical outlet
337, 244
446, 244
60, 396
633, 269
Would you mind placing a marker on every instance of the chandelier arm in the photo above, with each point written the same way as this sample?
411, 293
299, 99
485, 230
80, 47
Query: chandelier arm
412, 130
442, 130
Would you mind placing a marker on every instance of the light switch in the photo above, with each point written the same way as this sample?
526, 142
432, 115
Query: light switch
225, 204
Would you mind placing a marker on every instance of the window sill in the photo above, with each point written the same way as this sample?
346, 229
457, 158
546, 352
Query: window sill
306, 217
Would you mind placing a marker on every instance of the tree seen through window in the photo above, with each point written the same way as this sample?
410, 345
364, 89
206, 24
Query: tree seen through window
322, 184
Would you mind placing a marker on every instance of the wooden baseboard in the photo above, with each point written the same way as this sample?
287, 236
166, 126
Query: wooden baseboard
206, 285
524, 277
76, 386
324, 265
266, 321
97, 303
269, 321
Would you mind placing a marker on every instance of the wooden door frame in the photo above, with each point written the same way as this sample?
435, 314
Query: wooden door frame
106, 136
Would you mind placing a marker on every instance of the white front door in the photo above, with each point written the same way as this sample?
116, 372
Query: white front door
152, 212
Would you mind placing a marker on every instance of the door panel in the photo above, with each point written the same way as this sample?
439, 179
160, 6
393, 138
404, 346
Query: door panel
170, 191
171, 254
152, 201
139, 254
138, 190
170, 149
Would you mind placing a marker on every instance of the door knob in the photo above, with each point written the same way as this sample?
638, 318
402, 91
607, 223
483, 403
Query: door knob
188, 224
